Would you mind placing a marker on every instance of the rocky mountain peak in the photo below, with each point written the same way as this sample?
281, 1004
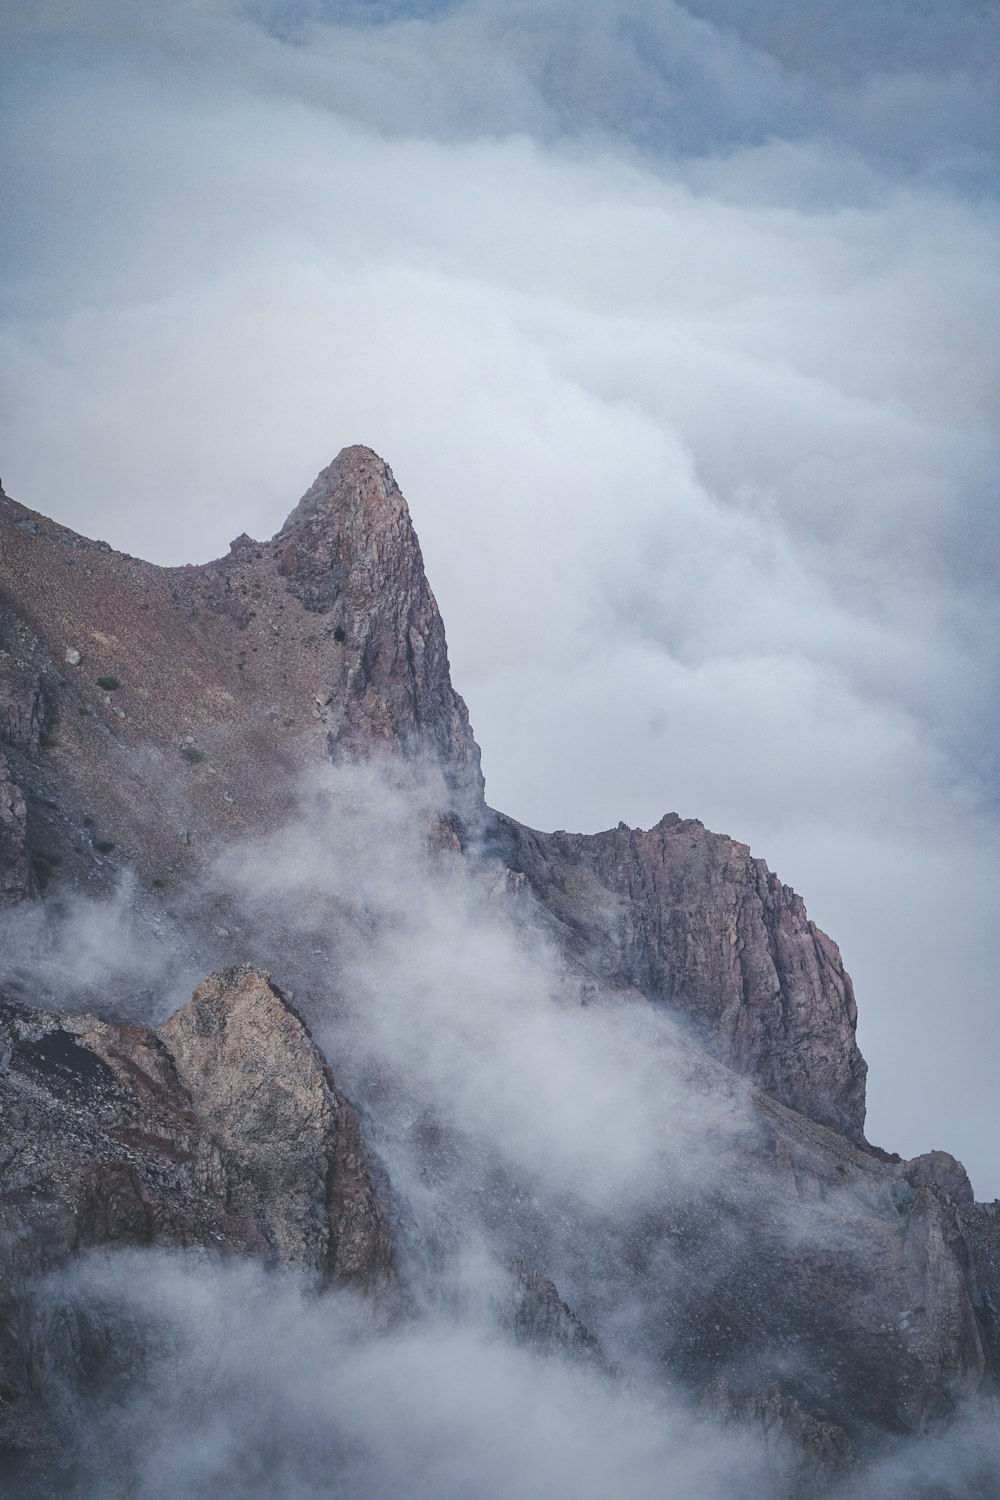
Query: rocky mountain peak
357, 489
817, 1290
349, 552
353, 516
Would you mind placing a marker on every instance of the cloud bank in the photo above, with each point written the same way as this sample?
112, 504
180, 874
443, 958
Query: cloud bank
678, 326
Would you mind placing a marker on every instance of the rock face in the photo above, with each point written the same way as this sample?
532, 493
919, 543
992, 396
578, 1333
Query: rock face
350, 556
815, 1290
224, 1129
540, 1320
262, 1091
153, 714
23, 709
835, 1280
691, 920
810, 1455
228, 678
16, 884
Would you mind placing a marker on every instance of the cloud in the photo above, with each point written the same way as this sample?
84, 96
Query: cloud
677, 325
254, 1389
439, 995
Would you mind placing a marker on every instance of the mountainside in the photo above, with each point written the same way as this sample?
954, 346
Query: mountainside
619, 1069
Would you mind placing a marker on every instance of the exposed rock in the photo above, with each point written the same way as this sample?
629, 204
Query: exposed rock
236, 1142
325, 642
349, 547
541, 1321
224, 1131
858, 1295
981, 1236
16, 882
808, 1456
942, 1173
262, 1090
23, 708
691, 920
836, 1293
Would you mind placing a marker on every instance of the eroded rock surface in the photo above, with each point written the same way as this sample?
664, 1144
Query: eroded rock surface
692, 920
350, 555
819, 1270
808, 1455
262, 1091
16, 883
539, 1319
149, 717
224, 1129
178, 706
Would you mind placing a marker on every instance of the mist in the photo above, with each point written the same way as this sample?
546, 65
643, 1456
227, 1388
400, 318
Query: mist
678, 325
521, 1119
254, 1388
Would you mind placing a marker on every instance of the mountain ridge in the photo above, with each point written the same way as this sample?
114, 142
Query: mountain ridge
157, 721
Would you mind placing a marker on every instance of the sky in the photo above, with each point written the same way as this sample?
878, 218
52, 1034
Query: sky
677, 324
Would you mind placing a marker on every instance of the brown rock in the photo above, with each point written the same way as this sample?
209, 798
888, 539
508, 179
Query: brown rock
807, 1455
16, 882
261, 1089
23, 707
225, 1132
224, 1129
691, 920
540, 1320
232, 656
350, 552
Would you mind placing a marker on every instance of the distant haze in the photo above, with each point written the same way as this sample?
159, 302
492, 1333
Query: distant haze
678, 325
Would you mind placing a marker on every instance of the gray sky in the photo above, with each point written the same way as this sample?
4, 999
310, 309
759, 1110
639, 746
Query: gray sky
677, 325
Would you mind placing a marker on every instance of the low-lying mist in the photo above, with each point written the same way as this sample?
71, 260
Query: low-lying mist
522, 1117
250, 1387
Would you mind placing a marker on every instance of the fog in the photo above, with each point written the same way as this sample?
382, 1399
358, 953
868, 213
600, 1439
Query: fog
595, 1142
678, 326
257, 1389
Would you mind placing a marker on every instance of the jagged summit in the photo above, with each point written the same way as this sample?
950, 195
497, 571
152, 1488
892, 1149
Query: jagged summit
152, 718
153, 714
230, 677
357, 473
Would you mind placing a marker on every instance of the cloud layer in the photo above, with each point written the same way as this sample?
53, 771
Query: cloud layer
678, 327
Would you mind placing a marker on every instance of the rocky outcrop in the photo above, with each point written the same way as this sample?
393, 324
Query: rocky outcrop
185, 701
168, 710
981, 1239
261, 1090
224, 1130
827, 1293
540, 1320
224, 1133
818, 1269
350, 555
691, 920
16, 883
23, 707
807, 1456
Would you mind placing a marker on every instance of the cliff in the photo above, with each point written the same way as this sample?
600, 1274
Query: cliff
326, 643
789, 1277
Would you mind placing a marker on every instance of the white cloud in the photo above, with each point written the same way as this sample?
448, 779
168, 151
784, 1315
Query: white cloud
679, 333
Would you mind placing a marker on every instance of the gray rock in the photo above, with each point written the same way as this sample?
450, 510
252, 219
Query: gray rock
691, 920
16, 882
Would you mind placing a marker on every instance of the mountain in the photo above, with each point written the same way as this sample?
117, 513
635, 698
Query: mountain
619, 1070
